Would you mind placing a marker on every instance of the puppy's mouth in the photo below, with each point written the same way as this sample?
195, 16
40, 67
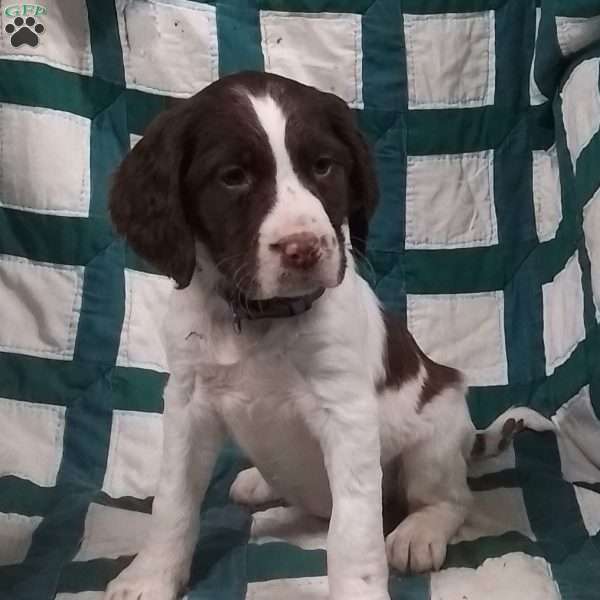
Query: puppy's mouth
291, 285
263, 280
280, 291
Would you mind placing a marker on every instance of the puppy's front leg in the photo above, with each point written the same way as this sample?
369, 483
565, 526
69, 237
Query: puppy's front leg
348, 431
193, 436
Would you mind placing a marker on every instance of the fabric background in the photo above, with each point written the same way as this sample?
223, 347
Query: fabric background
484, 116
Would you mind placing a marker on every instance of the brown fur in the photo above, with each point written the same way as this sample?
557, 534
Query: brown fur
404, 359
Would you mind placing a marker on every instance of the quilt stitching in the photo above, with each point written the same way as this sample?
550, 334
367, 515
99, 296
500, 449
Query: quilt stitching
485, 240
127, 48
77, 294
357, 100
458, 102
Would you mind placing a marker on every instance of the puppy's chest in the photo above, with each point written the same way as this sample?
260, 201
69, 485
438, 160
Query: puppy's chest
259, 361
250, 377
261, 398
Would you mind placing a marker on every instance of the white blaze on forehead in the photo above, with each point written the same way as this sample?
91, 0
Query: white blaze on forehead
273, 121
295, 209
295, 206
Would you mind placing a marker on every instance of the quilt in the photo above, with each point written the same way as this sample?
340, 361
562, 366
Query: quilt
484, 118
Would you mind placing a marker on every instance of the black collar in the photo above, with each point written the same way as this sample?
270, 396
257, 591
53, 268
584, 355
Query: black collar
271, 308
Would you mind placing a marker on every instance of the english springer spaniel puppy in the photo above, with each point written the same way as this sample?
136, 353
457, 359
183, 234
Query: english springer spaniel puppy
243, 195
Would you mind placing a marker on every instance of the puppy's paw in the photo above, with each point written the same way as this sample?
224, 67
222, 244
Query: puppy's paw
383, 596
146, 579
417, 545
149, 589
251, 489
360, 592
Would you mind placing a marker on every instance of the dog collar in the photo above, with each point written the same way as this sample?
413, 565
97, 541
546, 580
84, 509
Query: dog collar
271, 308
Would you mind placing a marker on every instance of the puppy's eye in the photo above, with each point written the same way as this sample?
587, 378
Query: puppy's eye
234, 177
322, 166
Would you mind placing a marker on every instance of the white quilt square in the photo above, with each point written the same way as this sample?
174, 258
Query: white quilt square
563, 314
17, 531
495, 512
169, 46
450, 201
146, 299
61, 29
134, 454
31, 446
39, 139
134, 138
465, 331
591, 228
514, 576
589, 505
575, 33
319, 49
298, 588
535, 96
112, 532
578, 434
547, 193
38, 327
451, 59
581, 107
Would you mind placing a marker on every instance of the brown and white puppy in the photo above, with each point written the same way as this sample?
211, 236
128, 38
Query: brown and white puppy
243, 194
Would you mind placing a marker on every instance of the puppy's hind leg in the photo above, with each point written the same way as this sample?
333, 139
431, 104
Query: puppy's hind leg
435, 483
251, 489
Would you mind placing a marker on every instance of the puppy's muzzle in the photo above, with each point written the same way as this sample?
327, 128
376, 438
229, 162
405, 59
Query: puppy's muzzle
300, 251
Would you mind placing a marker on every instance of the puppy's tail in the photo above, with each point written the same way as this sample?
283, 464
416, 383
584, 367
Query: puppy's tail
498, 436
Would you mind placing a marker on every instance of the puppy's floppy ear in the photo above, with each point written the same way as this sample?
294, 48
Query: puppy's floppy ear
363, 179
146, 204
365, 192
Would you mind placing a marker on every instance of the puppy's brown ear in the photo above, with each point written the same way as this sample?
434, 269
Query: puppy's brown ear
363, 179
145, 204
365, 191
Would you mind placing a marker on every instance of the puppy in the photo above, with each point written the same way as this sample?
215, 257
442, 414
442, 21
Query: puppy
243, 195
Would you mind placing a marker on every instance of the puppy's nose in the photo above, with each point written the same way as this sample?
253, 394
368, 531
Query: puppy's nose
299, 250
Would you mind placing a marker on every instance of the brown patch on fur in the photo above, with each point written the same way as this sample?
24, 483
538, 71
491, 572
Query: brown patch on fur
320, 124
404, 358
509, 430
439, 377
401, 359
479, 446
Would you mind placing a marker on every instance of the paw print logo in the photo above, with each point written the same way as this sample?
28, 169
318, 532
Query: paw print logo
24, 31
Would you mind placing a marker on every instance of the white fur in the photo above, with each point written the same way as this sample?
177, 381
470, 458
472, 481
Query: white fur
299, 397
309, 383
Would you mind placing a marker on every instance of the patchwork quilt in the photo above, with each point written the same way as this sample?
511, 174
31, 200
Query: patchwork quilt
484, 117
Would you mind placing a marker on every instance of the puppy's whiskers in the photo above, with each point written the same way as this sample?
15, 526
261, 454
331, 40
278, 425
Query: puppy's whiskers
227, 259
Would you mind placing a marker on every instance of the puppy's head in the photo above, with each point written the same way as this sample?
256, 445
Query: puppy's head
259, 170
